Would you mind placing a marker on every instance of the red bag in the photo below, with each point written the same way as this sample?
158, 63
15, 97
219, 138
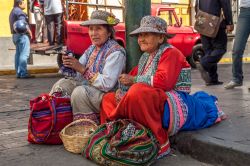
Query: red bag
48, 116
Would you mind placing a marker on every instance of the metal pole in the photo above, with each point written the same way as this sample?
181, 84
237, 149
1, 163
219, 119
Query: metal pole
134, 10
67, 10
96, 3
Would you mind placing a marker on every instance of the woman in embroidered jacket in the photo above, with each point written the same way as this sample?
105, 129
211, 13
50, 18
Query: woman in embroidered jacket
150, 99
98, 68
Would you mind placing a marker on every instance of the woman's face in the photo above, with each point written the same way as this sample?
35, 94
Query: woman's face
149, 42
98, 34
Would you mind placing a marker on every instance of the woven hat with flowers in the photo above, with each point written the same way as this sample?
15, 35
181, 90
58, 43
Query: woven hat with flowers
152, 24
100, 17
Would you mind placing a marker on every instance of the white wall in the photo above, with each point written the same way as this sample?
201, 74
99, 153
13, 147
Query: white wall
117, 12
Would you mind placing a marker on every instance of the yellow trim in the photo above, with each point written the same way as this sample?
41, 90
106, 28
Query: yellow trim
92, 80
31, 70
229, 60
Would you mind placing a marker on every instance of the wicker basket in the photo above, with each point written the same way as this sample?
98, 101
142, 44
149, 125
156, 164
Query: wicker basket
76, 134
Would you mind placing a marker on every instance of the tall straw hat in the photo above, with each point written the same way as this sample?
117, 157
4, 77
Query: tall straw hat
152, 24
100, 17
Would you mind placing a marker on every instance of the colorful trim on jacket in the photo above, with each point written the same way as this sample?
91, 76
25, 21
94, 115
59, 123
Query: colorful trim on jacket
97, 66
178, 112
145, 76
184, 82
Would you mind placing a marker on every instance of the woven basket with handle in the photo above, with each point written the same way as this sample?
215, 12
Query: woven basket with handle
76, 134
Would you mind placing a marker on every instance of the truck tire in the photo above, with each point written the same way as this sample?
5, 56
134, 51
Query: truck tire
59, 60
197, 53
120, 43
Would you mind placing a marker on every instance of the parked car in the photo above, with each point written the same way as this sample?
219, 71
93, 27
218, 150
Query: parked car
186, 39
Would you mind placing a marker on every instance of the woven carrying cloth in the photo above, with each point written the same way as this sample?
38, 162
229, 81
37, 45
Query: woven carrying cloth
121, 142
178, 112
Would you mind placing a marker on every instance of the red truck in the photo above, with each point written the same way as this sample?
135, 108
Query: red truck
186, 39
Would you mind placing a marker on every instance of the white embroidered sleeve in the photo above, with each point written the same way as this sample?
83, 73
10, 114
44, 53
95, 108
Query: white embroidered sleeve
114, 66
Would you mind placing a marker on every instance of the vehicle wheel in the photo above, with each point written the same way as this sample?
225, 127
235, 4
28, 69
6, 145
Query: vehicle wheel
120, 43
197, 53
59, 60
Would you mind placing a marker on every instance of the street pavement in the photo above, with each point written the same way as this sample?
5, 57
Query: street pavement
226, 143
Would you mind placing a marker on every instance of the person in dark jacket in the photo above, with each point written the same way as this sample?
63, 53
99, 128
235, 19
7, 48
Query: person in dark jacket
20, 39
216, 47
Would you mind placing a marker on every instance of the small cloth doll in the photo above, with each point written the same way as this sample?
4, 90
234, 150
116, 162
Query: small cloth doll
66, 71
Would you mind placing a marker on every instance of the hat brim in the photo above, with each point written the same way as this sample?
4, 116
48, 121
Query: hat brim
98, 22
149, 29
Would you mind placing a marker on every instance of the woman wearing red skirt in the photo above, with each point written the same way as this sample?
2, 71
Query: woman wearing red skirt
158, 71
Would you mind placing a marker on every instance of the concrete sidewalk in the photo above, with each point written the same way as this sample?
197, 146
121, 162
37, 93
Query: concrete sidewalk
226, 143
40, 63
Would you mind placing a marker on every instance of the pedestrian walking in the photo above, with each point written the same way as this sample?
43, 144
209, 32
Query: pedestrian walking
240, 41
40, 34
216, 47
21, 35
53, 17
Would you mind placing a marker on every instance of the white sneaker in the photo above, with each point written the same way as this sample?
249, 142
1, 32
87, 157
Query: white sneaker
232, 85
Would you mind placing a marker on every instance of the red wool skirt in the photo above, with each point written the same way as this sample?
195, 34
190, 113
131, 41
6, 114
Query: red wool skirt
143, 104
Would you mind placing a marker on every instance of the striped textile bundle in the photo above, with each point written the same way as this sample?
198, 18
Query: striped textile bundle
178, 111
121, 142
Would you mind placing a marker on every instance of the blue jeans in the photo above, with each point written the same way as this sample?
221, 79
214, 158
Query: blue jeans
241, 36
22, 44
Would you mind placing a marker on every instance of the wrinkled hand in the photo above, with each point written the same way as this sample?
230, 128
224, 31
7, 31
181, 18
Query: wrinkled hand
119, 95
31, 36
73, 63
230, 28
126, 79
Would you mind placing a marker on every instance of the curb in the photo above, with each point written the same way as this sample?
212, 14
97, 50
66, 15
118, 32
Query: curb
31, 70
211, 150
230, 60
